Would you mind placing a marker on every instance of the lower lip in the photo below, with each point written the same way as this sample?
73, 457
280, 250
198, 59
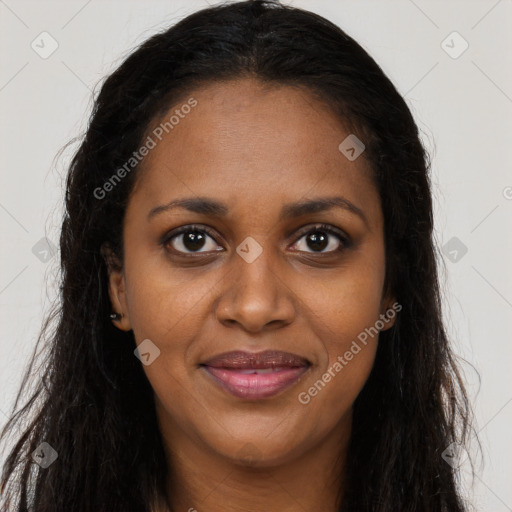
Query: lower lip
255, 386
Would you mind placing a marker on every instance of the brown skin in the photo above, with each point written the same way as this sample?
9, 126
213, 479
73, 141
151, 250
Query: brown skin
254, 147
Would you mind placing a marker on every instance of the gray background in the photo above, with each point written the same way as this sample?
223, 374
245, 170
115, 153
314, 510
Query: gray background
461, 101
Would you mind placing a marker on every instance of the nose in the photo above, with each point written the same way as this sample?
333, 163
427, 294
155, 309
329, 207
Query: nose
256, 296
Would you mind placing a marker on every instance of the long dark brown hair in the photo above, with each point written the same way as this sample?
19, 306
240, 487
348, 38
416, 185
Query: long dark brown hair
93, 403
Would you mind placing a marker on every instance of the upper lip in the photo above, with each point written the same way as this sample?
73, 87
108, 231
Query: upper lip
241, 360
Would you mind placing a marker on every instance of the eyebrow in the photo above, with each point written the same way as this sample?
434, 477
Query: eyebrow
214, 208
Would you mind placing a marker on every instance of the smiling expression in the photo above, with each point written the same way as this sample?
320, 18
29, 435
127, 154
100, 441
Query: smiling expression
249, 231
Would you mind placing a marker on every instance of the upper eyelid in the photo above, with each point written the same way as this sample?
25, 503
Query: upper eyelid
302, 231
322, 226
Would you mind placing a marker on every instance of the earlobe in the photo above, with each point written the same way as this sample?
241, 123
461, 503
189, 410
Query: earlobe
389, 311
116, 289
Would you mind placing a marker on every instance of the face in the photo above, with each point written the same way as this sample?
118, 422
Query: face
255, 292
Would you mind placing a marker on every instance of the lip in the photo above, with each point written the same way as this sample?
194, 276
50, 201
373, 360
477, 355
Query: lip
255, 376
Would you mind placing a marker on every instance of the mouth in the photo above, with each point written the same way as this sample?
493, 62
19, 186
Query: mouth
255, 376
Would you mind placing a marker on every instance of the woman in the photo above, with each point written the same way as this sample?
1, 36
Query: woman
250, 315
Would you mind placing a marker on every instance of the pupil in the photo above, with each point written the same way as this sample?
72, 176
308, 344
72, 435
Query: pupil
193, 240
317, 240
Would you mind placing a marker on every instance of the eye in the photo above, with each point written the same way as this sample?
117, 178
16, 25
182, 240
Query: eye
321, 237
191, 239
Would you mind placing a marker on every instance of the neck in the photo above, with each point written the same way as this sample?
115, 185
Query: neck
201, 480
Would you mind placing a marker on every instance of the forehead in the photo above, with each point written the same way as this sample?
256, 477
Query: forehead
245, 141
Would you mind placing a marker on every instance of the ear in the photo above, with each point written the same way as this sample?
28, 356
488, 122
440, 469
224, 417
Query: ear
116, 287
388, 311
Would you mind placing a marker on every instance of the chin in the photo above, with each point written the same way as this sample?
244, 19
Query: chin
263, 453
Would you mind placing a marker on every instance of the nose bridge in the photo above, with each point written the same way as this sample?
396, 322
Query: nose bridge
255, 266
255, 295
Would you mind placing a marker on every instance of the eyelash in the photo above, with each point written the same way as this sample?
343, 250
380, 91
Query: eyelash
345, 241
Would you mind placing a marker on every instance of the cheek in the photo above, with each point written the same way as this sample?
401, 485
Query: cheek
162, 300
349, 356
346, 302
169, 307
169, 310
345, 310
